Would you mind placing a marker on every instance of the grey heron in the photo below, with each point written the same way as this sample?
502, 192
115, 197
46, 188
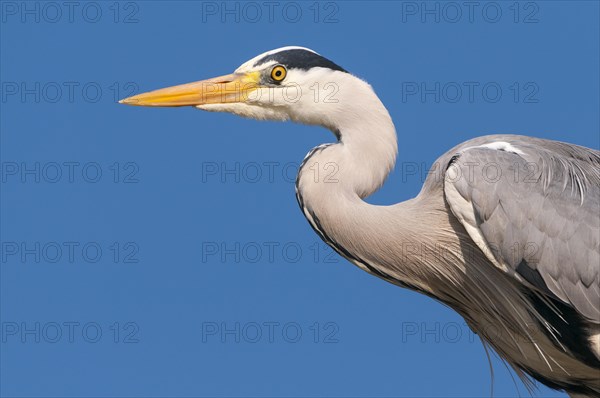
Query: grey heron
509, 236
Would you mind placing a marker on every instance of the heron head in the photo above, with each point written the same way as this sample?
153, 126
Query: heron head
289, 83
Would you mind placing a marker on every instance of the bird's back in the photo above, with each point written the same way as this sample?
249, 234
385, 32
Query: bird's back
532, 207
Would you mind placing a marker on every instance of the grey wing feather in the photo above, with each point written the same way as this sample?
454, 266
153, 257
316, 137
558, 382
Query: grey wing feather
536, 207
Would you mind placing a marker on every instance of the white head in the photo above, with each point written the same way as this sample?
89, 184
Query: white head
295, 83
289, 83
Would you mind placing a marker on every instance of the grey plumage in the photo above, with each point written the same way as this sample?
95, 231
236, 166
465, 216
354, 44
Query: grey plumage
536, 216
540, 212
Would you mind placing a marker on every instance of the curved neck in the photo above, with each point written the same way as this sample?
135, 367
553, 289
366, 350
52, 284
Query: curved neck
387, 241
334, 179
364, 155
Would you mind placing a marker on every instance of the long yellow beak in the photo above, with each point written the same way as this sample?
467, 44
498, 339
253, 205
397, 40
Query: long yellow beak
218, 90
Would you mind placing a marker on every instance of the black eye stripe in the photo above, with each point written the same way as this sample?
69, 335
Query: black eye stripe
299, 59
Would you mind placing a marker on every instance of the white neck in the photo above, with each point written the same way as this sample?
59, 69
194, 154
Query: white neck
366, 153
334, 179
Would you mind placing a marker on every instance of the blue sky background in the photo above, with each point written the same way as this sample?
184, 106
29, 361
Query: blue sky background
185, 279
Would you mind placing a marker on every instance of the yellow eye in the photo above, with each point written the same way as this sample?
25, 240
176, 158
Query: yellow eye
278, 73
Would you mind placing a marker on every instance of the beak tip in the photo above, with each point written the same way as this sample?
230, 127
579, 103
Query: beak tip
129, 101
